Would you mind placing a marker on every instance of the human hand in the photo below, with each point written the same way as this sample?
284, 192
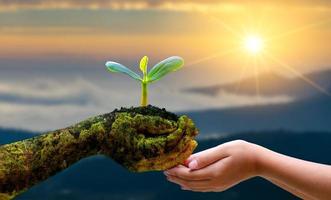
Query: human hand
216, 169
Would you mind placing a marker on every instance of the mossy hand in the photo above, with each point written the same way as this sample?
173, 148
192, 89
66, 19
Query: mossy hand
151, 142
140, 139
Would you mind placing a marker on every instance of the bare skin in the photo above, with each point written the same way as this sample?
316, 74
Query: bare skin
219, 168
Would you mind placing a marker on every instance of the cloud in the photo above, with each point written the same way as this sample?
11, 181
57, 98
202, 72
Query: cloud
147, 4
48, 104
118, 5
43, 95
214, 136
7, 97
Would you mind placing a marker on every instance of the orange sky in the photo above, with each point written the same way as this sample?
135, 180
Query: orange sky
298, 35
57, 49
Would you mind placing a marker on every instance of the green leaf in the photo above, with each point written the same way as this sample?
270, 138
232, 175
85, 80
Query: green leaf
164, 67
118, 68
143, 64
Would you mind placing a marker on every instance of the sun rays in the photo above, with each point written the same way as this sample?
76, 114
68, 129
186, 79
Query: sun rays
256, 45
213, 56
298, 74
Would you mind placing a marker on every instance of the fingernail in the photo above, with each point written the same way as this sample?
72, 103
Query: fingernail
166, 173
193, 164
187, 162
184, 188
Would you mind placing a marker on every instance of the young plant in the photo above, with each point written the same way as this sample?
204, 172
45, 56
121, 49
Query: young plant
159, 70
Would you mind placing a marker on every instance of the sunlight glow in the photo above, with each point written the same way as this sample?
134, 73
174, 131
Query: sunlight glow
254, 44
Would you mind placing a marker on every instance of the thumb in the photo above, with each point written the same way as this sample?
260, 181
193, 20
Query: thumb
205, 158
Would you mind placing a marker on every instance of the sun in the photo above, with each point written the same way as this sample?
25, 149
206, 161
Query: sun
253, 44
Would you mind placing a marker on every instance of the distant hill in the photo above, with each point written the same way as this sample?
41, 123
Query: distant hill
11, 135
313, 113
99, 178
271, 84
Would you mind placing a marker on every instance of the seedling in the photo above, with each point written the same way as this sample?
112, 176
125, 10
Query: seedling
140, 139
159, 70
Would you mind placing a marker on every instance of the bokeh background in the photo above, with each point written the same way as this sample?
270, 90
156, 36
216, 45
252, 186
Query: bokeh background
52, 74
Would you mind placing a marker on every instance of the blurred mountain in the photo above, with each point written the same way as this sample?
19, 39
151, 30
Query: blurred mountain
11, 135
313, 113
271, 84
99, 178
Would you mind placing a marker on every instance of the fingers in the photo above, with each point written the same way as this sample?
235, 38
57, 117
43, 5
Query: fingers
213, 171
199, 185
203, 180
187, 174
205, 158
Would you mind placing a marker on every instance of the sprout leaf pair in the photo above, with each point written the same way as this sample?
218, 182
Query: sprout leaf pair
159, 70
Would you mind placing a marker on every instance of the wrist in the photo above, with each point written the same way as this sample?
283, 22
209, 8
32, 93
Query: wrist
261, 156
257, 159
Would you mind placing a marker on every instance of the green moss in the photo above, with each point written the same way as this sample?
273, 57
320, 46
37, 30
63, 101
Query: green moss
140, 139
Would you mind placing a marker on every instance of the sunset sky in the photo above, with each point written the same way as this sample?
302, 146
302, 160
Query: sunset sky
126, 30
53, 42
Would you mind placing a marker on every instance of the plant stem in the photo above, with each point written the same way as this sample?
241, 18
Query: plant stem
144, 94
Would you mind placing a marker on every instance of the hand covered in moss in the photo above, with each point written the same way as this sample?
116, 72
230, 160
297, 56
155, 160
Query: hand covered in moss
140, 139
145, 139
